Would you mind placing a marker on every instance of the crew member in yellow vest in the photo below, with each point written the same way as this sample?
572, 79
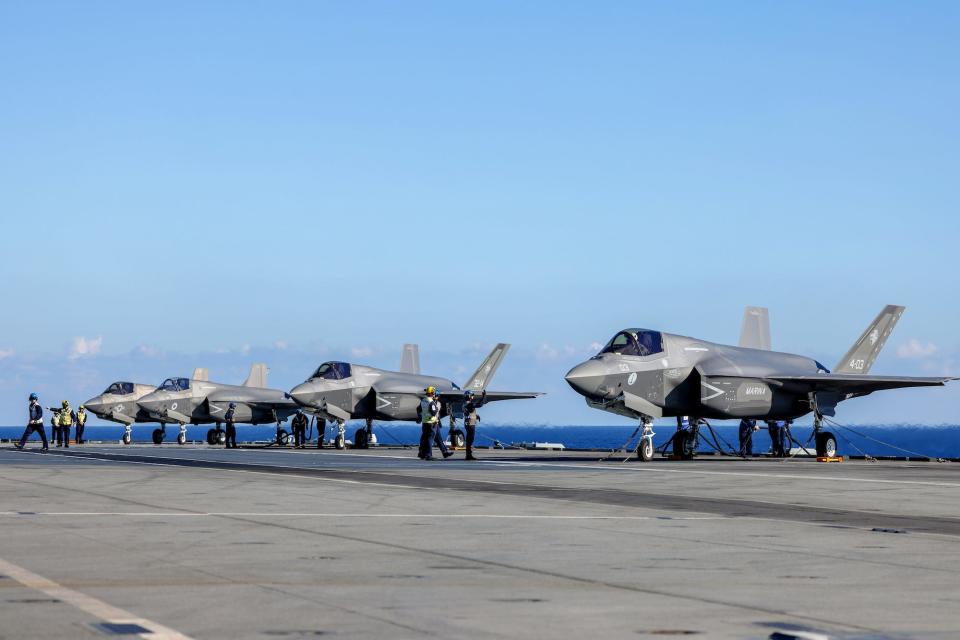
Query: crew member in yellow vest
66, 421
80, 417
428, 414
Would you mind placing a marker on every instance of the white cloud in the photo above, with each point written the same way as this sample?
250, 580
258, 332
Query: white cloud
281, 345
6, 353
916, 349
595, 347
83, 347
361, 352
245, 349
147, 350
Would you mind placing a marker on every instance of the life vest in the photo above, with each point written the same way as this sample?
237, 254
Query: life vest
66, 419
81, 417
427, 408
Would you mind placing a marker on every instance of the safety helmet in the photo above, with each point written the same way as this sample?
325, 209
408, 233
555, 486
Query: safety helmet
233, 405
430, 391
468, 393
65, 403
81, 407
34, 396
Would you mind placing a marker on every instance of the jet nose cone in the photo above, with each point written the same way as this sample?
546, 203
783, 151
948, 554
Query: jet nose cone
301, 394
586, 377
94, 405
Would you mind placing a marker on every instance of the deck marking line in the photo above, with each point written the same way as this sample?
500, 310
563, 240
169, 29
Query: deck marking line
89, 604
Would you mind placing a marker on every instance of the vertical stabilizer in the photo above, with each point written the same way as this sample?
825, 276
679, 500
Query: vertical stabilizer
257, 377
201, 374
865, 350
482, 376
755, 329
410, 359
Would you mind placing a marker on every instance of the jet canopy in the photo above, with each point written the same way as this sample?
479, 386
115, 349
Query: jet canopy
120, 388
175, 384
332, 371
635, 342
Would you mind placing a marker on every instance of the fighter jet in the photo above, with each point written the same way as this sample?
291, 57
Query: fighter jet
647, 374
118, 403
340, 391
198, 401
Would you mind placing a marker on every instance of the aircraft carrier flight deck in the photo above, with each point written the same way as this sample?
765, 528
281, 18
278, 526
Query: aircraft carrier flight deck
103, 540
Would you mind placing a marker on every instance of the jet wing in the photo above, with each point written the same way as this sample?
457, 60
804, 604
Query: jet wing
490, 396
852, 383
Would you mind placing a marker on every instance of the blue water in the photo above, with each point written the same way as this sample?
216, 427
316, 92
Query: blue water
933, 441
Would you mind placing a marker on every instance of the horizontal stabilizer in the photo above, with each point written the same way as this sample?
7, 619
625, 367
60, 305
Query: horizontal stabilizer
410, 359
755, 328
257, 377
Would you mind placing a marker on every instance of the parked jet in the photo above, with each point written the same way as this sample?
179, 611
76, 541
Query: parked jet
199, 401
649, 374
340, 391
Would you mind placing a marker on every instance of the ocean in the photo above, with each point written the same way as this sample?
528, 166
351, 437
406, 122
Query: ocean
940, 441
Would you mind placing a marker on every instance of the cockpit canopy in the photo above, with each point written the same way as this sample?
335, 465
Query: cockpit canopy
635, 342
120, 388
332, 371
175, 384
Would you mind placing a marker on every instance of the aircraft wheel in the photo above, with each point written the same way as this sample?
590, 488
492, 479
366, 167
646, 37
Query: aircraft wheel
339, 442
126, 438
683, 445
645, 450
283, 437
181, 438
212, 436
221, 437
457, 439
826, 445
360, 440
157, 436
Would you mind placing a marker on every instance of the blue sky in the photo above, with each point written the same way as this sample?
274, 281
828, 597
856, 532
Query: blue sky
213, 183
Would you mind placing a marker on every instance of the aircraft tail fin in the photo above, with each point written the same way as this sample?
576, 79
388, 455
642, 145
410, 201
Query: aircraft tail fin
865, 350
410, 359
755, 329
201, 374
482, 376
257, 377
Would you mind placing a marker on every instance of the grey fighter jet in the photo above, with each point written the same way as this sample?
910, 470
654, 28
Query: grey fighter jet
118, 403
340, 391
199, 401
649, 374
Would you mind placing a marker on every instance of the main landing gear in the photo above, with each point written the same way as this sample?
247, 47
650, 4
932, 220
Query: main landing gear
216, 436
283, 436
458, 439
826, 442
127, 435
363, 436
340, 441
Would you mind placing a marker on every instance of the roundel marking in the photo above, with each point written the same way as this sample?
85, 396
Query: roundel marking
174, 406
632, 378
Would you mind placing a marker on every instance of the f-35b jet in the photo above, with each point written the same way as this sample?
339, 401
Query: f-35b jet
118, 403
198, 401
340, 391
648, 374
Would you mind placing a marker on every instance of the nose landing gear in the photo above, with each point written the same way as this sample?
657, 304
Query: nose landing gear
645, 446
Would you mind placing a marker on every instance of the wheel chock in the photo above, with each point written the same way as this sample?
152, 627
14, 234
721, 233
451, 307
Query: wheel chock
829, 459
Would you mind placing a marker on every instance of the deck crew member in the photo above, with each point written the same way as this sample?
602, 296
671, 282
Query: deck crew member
80, 417
776, 438
299, 424
321, 431
55, 425
66, 421
428, 414
34, 423
231, 427
471, 418
747, 427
